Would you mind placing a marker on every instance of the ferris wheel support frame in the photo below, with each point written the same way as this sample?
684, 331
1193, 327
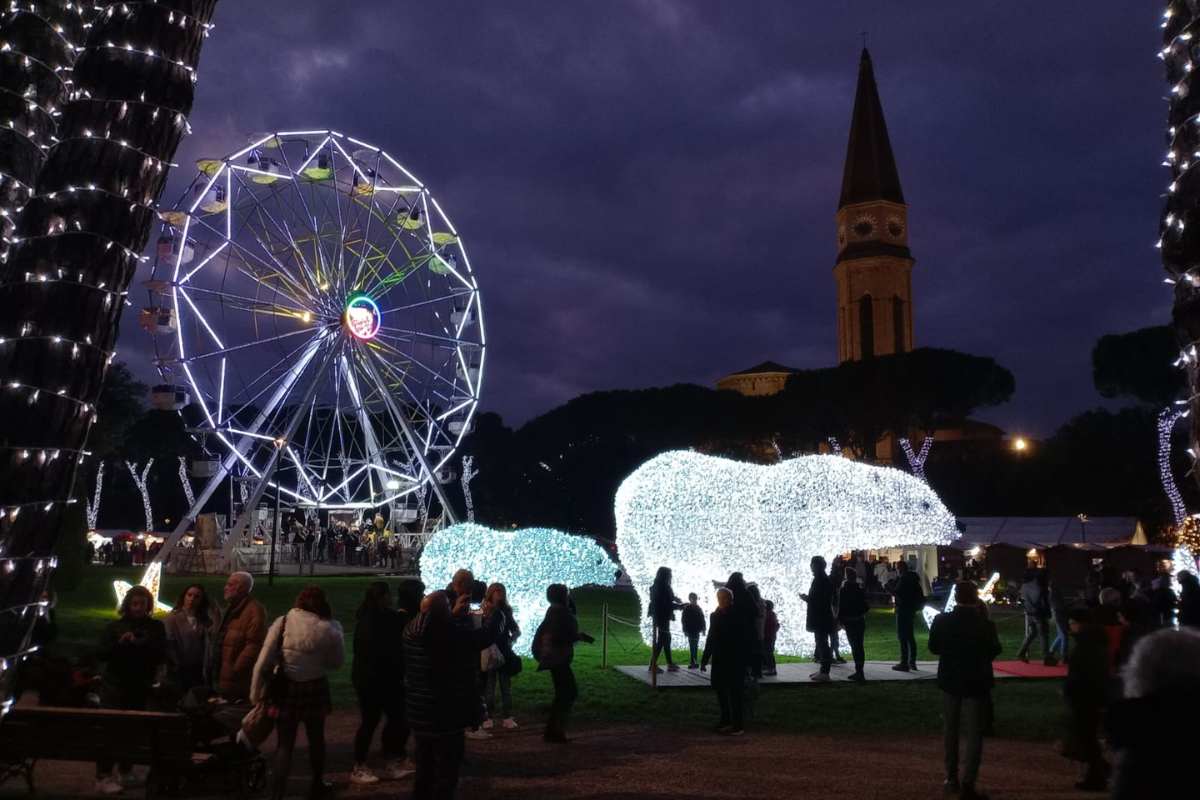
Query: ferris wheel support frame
268, 473
228, 462
413, 442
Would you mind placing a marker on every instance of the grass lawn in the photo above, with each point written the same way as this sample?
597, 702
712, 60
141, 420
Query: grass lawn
1024, 709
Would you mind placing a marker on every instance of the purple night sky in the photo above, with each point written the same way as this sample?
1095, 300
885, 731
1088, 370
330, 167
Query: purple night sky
648, 187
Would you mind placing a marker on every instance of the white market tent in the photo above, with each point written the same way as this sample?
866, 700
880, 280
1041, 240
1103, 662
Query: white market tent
1043, 532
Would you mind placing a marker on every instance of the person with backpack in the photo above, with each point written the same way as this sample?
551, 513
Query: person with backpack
910, 597
554, 649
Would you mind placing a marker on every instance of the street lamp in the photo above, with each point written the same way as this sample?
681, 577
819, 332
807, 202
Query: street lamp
1020, 444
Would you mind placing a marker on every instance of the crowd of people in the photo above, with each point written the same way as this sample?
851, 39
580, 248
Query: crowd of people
437, 667
122, 552
433, 667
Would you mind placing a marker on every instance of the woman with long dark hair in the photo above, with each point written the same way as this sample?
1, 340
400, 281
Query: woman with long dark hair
746, 611
305, 644
189, 629
378, 678
663, 603
132, 649
502, 625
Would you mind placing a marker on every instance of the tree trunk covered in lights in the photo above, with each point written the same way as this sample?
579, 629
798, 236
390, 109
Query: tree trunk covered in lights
38, 41
1180, 225
76, 249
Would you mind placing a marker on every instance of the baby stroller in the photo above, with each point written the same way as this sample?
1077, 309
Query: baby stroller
219, 762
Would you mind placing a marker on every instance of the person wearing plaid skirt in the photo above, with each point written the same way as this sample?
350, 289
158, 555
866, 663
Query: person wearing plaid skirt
305, 644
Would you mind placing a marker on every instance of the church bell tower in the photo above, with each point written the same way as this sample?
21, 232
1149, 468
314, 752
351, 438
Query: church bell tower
874, 265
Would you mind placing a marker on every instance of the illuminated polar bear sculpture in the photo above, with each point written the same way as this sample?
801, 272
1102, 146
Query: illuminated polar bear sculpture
706, 517
526, 561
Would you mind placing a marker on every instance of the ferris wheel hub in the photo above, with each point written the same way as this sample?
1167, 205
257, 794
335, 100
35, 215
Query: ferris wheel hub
362, 318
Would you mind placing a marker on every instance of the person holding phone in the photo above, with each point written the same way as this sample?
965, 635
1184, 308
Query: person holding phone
132, 649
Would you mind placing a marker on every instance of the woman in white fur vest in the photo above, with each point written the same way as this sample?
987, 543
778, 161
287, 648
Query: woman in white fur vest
290, 675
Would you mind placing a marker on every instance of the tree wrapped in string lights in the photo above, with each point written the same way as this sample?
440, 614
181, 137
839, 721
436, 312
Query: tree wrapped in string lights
39, 40
76, 246
1179, 230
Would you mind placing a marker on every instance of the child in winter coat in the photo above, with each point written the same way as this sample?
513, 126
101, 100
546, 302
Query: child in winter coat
770, 632
693, 622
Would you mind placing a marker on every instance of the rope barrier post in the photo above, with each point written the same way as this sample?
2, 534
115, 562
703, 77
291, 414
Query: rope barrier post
604, 638
654, 657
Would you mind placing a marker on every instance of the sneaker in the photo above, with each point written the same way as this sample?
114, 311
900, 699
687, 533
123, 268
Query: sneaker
839, 660
655, 669
361, 775
821, 677
509, 724
857, 677
476, 733
108, 785
672, 668
736, 732
1050, 661
693, 665
1023, 658
487, 724
901, 668
723, 728
912, 667
398, 768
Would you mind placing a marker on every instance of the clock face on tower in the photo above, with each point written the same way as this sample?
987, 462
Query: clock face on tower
895, 227
864, 226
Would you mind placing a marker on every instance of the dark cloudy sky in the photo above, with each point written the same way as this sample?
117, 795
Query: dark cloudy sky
647, 187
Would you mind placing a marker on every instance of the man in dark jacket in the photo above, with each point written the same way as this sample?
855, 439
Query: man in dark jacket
819, 617
965, 641
441, 698
852, 615
554, 649
909, 600
1087, 689
1035, 597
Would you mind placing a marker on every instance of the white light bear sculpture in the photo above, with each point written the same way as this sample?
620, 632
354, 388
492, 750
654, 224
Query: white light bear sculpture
706, 517
526, 561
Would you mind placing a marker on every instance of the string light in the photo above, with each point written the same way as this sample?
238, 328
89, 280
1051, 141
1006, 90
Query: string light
916, 461
1166, 424
706, 517
526, 561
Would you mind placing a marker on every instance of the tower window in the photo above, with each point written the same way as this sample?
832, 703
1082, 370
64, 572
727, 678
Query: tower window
898, 325
866, 327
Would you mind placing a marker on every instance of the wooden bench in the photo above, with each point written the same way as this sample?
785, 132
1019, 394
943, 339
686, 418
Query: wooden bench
160, 741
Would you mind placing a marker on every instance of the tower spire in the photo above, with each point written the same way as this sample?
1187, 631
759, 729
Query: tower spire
870, 172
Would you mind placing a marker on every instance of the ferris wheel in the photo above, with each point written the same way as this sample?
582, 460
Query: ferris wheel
314, 303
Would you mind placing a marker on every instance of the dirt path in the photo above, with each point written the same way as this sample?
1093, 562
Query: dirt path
618, 762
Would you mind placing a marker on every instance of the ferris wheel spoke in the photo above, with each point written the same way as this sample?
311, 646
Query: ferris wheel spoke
242, 303
423, 335
385, 368
248, 345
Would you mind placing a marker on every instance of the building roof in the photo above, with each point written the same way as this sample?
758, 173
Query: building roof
765, 367
870, 172
1050, 531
